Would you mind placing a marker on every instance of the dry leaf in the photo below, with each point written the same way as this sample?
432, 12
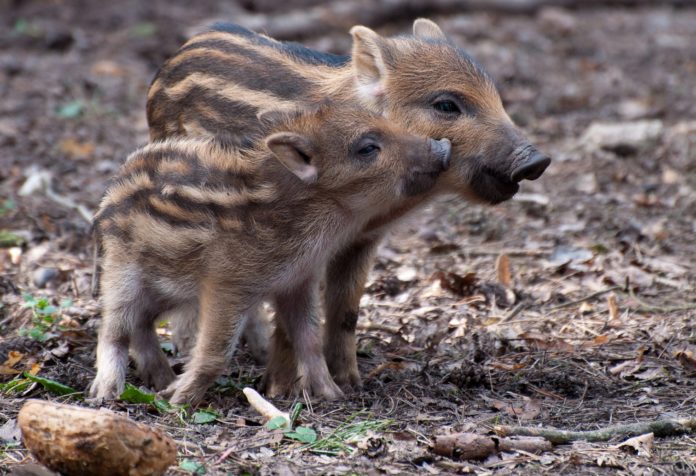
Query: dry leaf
525, 409
453, 282
597, 341
502, 266
76, 149
639, 445
613, 308
687, 357
544, 342
12, 359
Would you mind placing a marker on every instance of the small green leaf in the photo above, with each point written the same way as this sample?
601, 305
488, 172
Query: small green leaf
167, 347
277, 422
132, 394
9, 239
201, 417
162, 406
144, 29
192, 466
295, 413
16, 385
70, 110
302, 434
66, 303
51, 385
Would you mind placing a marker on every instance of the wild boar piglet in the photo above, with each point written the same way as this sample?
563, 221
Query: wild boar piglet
218, 81
190, 223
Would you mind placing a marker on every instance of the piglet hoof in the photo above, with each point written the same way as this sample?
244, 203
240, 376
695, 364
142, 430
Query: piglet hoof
158, 378
180, 392
321, 389
105, 389
349, 380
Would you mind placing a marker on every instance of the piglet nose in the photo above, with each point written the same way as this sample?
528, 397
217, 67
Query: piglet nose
531, 168
443, 150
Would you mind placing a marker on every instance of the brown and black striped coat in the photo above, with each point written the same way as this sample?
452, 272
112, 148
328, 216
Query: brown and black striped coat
219, 80
189, 222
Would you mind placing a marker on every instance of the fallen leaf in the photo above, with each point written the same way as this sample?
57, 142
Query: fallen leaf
9, 432
502, 267
525, 409
76, 149
544, 342
613, 308
687, 357
639, 445
13, 357
108, 68
453, 282
597, 341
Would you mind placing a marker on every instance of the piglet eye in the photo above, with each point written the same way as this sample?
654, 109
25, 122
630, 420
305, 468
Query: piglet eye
447, 106
368, 150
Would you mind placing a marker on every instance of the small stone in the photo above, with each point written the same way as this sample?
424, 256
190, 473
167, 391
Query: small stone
43, 276
622, 138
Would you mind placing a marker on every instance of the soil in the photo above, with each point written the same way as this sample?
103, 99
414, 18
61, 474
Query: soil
447, 343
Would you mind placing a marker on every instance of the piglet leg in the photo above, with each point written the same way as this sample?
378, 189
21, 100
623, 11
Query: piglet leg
297, 363
345, 281
222, 315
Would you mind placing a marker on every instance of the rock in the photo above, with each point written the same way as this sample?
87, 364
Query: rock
76, 440
43, 276
622, 138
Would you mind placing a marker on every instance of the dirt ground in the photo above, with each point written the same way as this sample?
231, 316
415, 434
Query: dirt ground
448, 342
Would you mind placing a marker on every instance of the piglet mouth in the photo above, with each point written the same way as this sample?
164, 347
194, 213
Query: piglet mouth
494, 186
420, 182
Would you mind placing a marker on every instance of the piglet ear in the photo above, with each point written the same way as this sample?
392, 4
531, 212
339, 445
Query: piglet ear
368, 62
428, 30
294, 151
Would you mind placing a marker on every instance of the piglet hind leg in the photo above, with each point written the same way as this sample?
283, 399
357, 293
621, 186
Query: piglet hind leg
127, 311
297, 363
345, 281
222, 315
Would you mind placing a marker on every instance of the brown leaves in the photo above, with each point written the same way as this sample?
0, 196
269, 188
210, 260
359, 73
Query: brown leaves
455, 283
75, 149
502, 267
523, 409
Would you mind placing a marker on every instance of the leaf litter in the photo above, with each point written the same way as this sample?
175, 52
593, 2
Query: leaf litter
472, 317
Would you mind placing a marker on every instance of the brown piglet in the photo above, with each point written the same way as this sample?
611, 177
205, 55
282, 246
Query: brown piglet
190, 223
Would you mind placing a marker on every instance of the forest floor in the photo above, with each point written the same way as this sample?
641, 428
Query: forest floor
473, 316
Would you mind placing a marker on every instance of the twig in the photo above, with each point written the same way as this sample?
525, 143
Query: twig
267, 410
559, 437
474, 446
69, 203
586, 298
514, 311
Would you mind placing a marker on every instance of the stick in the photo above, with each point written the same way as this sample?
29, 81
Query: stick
473, 446
559, 437
264, 407
586, 298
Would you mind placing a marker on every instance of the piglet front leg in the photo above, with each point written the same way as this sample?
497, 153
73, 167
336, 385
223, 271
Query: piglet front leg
297, 364
222, 315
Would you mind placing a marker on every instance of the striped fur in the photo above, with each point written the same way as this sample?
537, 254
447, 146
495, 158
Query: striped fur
190, 223
220, 80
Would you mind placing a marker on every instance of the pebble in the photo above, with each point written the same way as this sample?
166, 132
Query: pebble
43, 276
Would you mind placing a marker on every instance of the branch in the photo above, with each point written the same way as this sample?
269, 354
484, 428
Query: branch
472, 446
341, 15
559, 437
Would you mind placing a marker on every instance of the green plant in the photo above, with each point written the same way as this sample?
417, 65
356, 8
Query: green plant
339, 441
45, 317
